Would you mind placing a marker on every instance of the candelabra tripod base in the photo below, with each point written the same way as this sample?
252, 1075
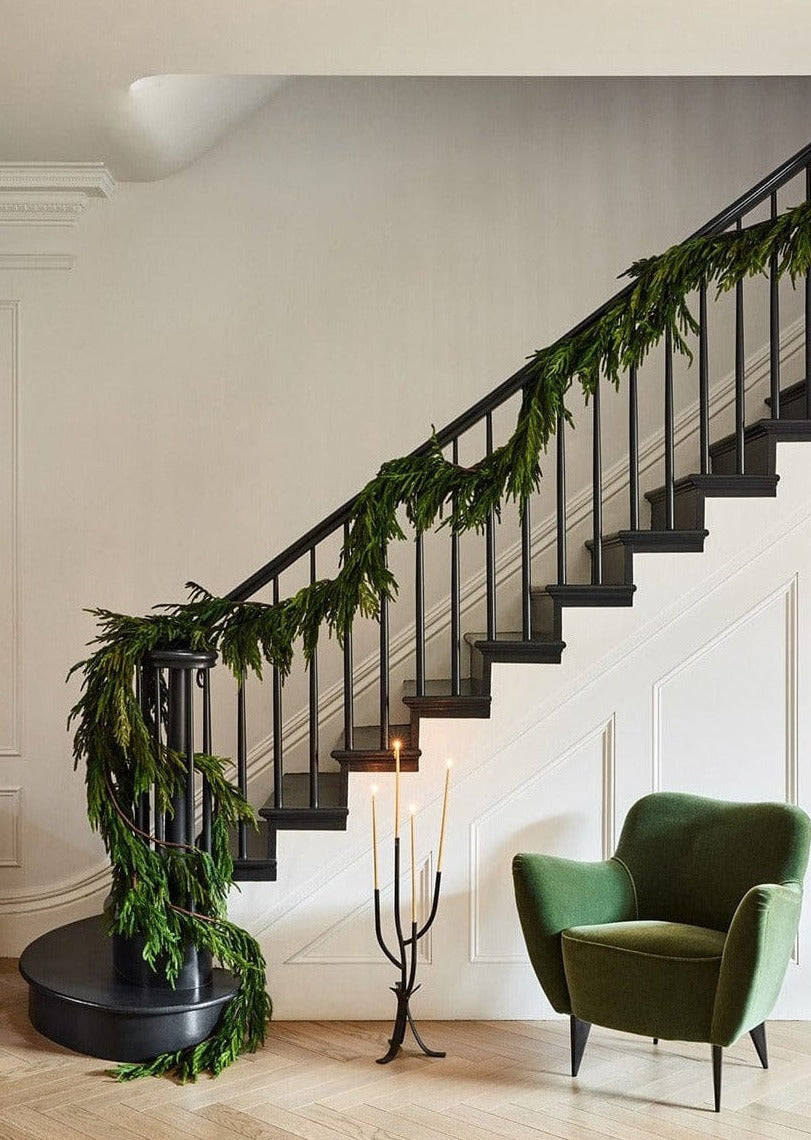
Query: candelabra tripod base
402, 1021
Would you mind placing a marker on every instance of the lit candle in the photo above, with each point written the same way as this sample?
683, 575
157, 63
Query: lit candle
444, 816
413, 869
374, 831
397, 789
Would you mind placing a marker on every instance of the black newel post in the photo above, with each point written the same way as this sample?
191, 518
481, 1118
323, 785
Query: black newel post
169, 679
96, 994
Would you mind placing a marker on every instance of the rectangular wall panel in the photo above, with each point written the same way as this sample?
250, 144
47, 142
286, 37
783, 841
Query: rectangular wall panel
9, 534
10, 827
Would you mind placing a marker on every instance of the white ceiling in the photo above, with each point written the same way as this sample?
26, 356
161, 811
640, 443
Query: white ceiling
148, 85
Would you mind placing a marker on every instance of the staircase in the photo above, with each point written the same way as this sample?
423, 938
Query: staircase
312, 794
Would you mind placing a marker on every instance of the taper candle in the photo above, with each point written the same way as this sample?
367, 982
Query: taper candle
444, 816
374, 832
413, 869
396, 789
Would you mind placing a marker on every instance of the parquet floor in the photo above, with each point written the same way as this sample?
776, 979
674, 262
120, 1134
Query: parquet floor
318, 1080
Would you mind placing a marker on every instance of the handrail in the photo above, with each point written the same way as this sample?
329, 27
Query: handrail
513, 384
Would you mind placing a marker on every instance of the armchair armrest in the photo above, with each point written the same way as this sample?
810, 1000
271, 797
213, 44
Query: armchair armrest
755, 959
553, 894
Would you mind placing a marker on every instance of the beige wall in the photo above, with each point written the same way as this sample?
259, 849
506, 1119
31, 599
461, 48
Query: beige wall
238, 347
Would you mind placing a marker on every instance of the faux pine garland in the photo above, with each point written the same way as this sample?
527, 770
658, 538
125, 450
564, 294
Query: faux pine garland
113, 737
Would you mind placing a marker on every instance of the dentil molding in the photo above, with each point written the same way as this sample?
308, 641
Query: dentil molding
50, 193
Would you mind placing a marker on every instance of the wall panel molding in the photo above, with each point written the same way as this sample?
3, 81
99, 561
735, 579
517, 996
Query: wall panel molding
12, 261
316, 952
10, 633
787, 593
11, 827
605, 733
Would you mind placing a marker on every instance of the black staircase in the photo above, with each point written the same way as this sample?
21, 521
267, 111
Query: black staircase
741, 463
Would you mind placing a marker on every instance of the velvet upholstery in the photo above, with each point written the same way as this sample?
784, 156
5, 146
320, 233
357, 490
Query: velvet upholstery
686, 933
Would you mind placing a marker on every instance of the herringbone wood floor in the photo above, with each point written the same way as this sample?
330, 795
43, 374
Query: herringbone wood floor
318, 1080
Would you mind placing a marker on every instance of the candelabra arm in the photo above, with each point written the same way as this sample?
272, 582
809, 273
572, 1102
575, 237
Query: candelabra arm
398, 925
379, 932
412, 973
434, 905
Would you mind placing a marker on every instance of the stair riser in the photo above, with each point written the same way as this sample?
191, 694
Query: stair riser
758, 457
688, 510
617, 564
544, 617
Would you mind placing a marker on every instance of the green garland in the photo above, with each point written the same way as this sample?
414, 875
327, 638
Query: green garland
113, 736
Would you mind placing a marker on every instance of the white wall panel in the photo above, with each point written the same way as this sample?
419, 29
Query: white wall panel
722, 716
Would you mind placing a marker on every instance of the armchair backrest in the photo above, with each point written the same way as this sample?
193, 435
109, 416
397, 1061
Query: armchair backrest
693, 859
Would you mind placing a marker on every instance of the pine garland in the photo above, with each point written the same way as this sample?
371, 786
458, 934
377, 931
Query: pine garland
113, 736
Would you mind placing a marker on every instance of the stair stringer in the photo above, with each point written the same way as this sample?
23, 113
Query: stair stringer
533, 776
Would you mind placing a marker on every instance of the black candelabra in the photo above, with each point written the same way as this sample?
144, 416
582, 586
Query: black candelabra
406, 962
404, 958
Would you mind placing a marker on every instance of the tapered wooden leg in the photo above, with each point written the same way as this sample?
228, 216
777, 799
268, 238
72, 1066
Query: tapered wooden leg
579, 1036
758, 1035
717, 1057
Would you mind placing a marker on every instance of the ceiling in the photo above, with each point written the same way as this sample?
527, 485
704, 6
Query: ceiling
146, 86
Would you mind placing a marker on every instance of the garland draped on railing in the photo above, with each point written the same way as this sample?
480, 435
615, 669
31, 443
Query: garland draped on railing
112, 735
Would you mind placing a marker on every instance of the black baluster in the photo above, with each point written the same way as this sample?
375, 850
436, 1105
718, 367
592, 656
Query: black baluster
597, 493
242, 766
633, 447
561, 497
419, 601
278, 727
142, 805
207, 805
456, 647
703, 383
808, 314
349, 710
188, 681
490, 548
670, 485
313, 672
526, 571
740, 396
774, 326
384, 672
160, 816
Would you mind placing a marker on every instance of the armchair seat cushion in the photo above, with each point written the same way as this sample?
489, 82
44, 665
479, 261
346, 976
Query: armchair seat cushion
650, 977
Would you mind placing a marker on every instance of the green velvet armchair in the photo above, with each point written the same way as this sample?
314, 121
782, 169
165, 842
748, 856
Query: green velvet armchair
685, 934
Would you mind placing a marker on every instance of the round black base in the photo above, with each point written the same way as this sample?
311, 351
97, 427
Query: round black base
76, 999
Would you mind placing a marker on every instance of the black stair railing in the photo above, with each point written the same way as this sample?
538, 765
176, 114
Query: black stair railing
306, 552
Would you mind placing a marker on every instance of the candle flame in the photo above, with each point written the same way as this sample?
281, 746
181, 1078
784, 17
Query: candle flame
397, 744
449, 762
413, 809
374, 789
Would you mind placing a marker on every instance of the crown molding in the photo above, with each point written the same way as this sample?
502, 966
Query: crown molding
50, 193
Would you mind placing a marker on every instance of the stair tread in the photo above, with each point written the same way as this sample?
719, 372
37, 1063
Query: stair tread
508, 637
720, 484
654, 539
779, 427
585, 594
